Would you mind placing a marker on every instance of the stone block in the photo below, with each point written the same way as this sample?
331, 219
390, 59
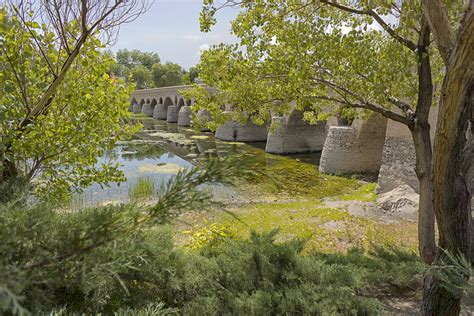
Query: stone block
184, 116
202, 117
354, 149
160, 112
294, 135
238, 132
172, 114
398, 165
137, 108
147, 109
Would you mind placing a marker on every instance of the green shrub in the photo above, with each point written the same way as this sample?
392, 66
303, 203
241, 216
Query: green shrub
142, 271
261, 277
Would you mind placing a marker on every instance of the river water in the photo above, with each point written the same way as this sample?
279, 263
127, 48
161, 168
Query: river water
160, 150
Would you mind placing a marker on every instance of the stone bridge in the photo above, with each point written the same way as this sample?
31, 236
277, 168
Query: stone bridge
372, 145
166, 103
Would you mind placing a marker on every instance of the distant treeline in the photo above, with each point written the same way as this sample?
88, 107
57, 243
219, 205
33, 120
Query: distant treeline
146, 70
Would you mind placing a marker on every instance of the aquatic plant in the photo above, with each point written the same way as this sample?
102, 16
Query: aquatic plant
142, 189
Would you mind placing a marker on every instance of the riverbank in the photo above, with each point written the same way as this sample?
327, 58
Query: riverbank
333, 214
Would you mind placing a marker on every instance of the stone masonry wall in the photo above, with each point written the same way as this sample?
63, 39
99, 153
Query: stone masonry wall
248, 132
399, 159
354, 149
294, 135
398, 165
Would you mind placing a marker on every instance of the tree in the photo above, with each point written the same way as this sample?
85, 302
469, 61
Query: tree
190, 76
129, 59
326, 55
301, 50
454, 148
141, 76
168, 74
60, 109
146, 70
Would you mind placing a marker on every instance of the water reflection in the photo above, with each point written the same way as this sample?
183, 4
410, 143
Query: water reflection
138, 159
161, 149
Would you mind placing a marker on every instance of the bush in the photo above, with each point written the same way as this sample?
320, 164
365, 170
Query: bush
141, 270
122, 259
260, 277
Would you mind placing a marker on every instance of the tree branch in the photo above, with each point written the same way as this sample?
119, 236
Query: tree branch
437, 17
404, 41
362, 103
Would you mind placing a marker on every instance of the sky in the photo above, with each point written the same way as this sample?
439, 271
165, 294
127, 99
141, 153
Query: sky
171, 29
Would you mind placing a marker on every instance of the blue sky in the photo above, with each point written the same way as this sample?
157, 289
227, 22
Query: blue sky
171, 29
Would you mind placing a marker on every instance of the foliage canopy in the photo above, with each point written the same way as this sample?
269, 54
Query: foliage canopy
59, 150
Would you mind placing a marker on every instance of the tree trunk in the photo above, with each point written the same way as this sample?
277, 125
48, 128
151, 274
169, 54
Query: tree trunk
8, 170
424, 155
426, 217
452, 166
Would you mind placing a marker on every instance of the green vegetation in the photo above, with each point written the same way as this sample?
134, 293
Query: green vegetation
286, 176
325, 229
365, 193
57, 148
100, 260
143, 189
146, 70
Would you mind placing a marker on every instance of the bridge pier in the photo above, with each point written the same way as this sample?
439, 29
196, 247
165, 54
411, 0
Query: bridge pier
355, 149
137, 108
291, 134
147, 109
160, 112
202, 118
241, 132
184, 116
172, 114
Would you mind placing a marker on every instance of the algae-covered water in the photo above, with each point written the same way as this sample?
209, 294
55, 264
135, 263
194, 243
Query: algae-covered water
162, 149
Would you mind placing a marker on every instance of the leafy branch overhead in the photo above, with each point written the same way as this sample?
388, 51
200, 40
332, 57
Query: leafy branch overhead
61, 109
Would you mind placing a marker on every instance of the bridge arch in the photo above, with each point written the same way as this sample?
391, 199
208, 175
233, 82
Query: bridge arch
133, 101
188, 102
181, 103
168, 101
160, 101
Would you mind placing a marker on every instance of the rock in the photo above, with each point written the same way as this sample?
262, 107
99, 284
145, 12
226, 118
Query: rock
402, 199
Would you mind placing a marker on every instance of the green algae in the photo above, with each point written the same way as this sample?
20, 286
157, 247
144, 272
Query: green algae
286, 176
171, 168
326, 229
199, 137
365, 193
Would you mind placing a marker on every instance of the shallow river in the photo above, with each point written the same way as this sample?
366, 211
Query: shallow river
160, 150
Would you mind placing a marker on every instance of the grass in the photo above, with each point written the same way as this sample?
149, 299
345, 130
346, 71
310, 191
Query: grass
289, 196
143, 189
328, 230
365, 193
